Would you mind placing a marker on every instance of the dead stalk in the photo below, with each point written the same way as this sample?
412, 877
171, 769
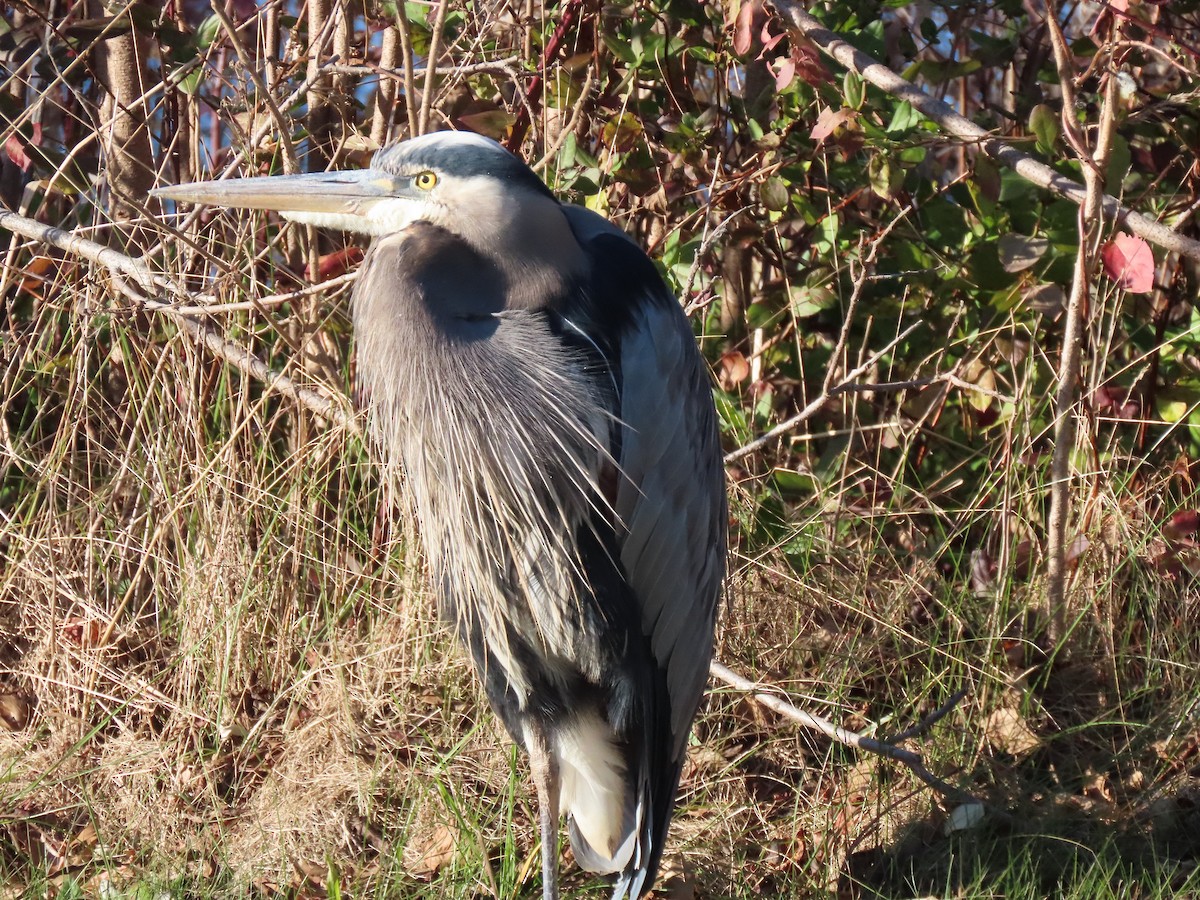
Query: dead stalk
1094, 159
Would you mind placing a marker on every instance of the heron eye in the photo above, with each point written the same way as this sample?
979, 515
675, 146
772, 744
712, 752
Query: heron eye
425, 180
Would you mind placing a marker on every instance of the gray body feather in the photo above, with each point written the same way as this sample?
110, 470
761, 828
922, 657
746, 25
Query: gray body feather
564, 467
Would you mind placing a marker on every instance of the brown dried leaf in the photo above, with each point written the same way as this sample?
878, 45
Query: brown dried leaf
493, 123
1183, 524
1007, 732
703, 758
428, 855
735, 369
1076, 549
83, 632
14, 711
1097, 788
675, 883
1018, 252
1047, 299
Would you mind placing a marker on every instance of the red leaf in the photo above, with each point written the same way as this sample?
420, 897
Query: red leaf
808, 63
769, 40
828, 122
785, 72
1182, 524
338, 263
743, 28
16, 152
1128, 261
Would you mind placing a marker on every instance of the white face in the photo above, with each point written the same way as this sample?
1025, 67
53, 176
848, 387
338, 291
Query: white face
463, 183
472, 207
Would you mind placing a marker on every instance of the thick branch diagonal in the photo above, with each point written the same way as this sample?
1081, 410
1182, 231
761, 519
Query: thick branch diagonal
953, 123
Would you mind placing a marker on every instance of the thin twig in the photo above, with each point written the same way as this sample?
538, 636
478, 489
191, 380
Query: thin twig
333, 408
292, 162
909, 758
208, 309
534, 93
930, 720
569, 129
405, 31
956, 124
811, 409
866, 266
506, 66
702, 251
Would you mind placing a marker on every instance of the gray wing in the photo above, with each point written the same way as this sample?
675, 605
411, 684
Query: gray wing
670, 500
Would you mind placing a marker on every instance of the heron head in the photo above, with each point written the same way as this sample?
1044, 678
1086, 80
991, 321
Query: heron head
459, 182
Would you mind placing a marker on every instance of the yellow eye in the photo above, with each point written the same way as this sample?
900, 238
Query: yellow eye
425, 180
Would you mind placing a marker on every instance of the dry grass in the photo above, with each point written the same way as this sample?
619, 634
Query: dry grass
277, 708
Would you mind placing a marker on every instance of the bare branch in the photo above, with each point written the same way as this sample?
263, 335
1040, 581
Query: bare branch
333, 408
435, 49
506, 67
72, 243
1093, 160
909, 758
291, 162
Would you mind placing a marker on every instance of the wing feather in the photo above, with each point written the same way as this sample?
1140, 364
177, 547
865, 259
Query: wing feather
671, 501
669, 508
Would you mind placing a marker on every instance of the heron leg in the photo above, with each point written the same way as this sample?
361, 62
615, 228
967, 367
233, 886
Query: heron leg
545, 780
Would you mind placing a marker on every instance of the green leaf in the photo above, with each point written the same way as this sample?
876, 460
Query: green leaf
853, 90
207, 32
562, 90
620, 48
1043, 123
774, 194
1173, 406
810, 299
905, 118
985, 268
791, 482
885, 177
189, 82
825, 237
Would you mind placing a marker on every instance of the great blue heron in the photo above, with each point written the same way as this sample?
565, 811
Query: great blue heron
526, 366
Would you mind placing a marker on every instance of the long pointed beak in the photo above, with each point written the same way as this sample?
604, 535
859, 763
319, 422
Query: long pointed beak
334, 199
